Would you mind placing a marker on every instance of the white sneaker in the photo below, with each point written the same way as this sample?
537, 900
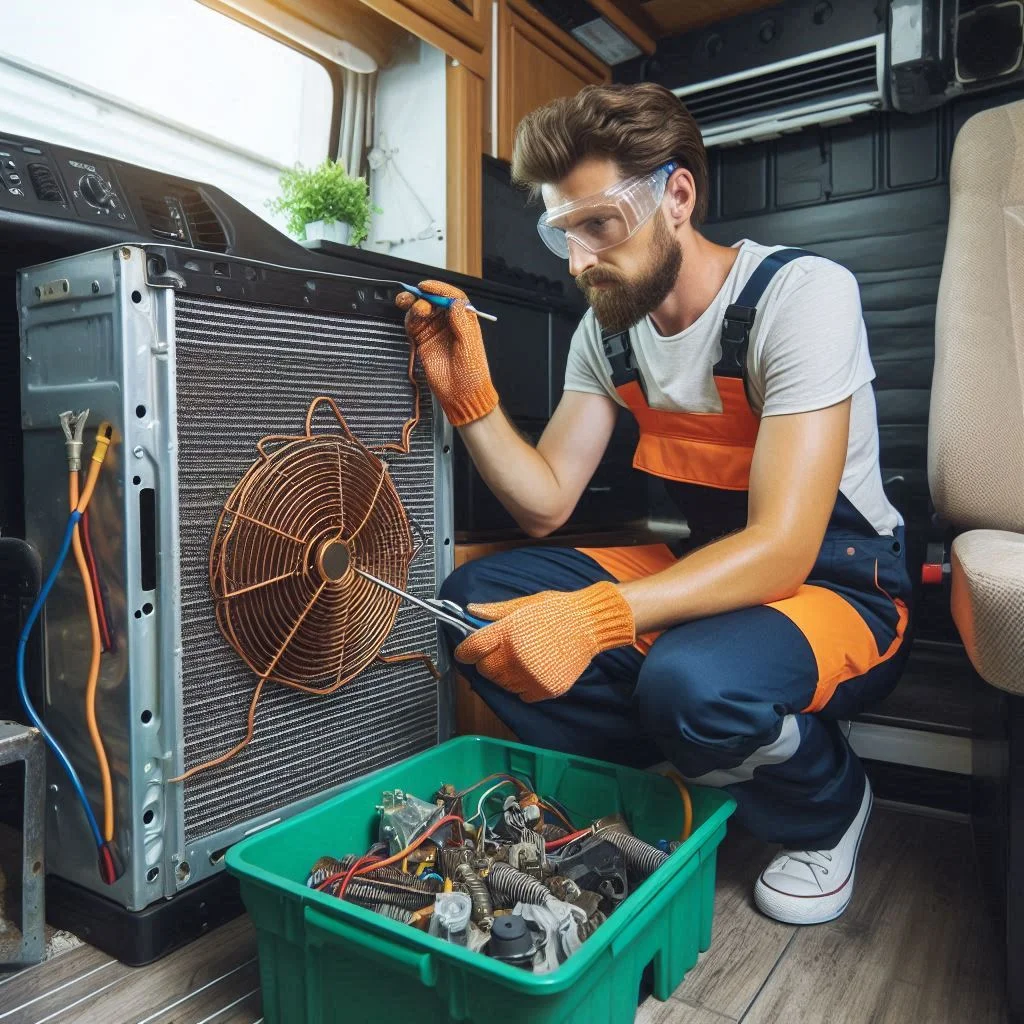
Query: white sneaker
813, 886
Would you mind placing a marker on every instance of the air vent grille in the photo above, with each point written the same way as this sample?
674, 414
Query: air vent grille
823, 80
164, 216
45, 183
206, 230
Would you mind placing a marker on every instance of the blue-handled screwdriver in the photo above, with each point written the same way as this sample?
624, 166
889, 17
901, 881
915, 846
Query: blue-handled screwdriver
444, 301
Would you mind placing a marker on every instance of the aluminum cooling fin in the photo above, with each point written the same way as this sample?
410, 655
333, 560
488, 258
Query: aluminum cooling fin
311, 510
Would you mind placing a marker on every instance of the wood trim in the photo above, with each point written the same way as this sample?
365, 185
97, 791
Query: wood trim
467, 109
465, 37
557, 44
472, 27
517, 17
631, 24
320, 25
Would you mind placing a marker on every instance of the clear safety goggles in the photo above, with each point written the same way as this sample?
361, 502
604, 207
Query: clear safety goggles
606, 218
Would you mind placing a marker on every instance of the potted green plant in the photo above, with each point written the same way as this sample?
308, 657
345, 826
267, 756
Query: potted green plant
325, 202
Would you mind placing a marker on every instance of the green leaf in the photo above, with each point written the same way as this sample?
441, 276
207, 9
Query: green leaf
324, 193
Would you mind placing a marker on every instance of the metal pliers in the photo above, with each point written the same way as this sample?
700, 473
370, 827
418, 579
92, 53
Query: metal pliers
447, 612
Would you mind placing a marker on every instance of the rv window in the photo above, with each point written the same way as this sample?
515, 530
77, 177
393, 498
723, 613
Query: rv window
168, 84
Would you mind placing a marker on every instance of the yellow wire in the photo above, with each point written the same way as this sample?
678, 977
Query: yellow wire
684, 795
81, 504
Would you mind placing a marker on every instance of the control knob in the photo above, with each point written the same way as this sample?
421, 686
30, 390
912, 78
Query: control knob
95, 190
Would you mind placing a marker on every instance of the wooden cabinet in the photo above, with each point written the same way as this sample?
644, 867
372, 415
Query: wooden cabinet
536, 62
461, 28
466, 109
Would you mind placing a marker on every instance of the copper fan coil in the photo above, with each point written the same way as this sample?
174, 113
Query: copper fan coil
309, 512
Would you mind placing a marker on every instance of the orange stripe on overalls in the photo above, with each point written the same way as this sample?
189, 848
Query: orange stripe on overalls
715, 450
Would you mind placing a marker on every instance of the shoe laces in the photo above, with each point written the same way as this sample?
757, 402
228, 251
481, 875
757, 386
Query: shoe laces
812, 858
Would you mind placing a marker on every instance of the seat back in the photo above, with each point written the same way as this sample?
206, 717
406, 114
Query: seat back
976, 427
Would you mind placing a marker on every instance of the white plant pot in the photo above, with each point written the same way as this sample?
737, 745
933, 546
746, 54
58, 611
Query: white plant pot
335, 232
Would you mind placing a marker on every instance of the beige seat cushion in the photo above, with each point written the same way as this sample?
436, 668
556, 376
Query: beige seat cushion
988, 604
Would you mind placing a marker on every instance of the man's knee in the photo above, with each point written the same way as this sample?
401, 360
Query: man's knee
687, 693
671, 689
463, 585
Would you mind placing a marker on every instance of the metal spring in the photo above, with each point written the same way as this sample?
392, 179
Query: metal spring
640, 857
371, 894
482, 913
398, 877
450, 857
323, 869
395, 913
588, 927
509, 884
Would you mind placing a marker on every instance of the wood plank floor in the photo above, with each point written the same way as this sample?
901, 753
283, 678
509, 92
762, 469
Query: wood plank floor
916, 945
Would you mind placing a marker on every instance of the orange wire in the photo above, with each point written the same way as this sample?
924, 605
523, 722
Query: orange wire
554, 810
684, 795
412, 846
94, 663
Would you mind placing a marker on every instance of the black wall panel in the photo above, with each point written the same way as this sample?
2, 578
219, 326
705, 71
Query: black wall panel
512, 249
873, 195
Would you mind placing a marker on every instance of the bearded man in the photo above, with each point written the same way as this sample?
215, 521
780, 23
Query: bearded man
748, 372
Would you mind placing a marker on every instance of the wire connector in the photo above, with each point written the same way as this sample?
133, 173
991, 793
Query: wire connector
73, 425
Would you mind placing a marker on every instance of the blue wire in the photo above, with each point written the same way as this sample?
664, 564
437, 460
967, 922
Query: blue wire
23, 687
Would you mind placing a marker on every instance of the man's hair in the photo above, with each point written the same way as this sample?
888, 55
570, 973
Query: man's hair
640, 127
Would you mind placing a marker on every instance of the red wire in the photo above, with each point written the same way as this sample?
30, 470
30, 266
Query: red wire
94, 579
376, 862
352, 871
565, 840
108, 864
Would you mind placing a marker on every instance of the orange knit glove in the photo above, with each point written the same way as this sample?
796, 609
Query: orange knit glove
540, 645
451, 350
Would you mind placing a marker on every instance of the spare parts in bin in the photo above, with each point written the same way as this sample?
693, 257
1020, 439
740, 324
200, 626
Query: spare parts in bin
521, 884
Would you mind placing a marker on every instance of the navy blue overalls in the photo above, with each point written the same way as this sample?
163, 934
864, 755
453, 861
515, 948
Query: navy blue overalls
748, 700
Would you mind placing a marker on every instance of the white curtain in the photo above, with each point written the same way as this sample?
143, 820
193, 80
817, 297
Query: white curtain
357, 102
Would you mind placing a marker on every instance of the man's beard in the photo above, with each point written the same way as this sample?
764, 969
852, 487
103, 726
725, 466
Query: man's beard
623, 302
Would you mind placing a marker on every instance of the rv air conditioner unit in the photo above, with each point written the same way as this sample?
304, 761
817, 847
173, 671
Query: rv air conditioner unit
823, 87
206, 365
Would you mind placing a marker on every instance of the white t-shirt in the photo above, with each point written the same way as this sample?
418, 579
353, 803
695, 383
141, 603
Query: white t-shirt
808, 350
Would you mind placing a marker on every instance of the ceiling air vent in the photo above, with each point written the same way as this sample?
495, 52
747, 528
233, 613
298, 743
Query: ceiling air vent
206, 230
816, 88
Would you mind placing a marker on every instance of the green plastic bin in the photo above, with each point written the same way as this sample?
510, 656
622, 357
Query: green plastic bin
324, 960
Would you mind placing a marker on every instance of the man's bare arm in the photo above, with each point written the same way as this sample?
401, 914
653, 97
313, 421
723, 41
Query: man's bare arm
794, 480
541, 486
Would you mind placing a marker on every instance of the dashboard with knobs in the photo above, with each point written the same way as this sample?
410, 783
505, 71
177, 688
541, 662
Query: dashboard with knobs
59, 182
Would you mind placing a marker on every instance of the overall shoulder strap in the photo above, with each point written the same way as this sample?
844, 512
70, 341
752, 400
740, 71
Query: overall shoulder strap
618, 350
739, 317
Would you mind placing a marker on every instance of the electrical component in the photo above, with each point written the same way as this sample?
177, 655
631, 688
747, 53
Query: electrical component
493, 890
596, 864
512, 942
403, 817
450, 919
483, 908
